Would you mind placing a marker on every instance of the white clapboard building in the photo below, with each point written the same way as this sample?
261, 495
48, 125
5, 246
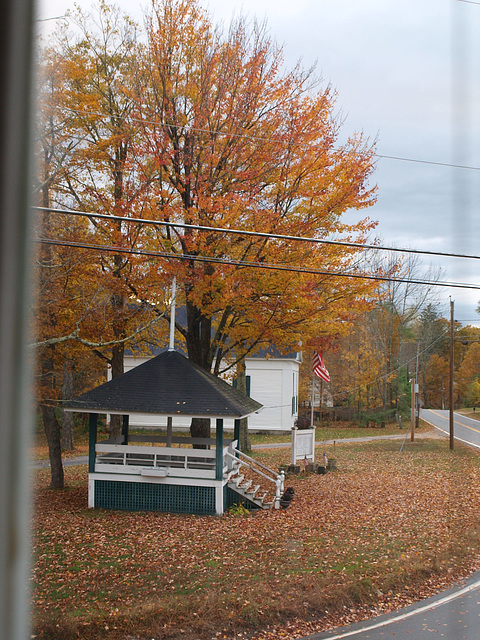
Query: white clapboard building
272, 379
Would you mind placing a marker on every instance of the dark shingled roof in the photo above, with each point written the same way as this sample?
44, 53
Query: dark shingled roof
167, 385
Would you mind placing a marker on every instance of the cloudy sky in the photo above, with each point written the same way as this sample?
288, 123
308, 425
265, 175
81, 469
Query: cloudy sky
407, 73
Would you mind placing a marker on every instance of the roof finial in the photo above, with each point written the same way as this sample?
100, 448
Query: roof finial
171, 346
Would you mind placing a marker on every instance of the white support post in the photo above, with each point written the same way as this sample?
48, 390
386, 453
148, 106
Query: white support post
294, 446
279, 489
219, 498
91, 493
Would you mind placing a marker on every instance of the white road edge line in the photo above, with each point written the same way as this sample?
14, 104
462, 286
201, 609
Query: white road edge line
471, 444
403, 616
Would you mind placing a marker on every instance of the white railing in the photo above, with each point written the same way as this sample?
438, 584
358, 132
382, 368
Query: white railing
156, 461
237, 458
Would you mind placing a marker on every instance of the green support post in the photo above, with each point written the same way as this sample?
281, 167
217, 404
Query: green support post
236, 431
219, 450
92, 441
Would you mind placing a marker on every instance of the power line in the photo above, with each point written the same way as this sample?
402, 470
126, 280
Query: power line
262, 138
439, 164
255, 265
54, 18
259, 234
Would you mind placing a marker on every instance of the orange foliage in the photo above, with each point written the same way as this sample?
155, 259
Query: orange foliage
240, 144
200, 127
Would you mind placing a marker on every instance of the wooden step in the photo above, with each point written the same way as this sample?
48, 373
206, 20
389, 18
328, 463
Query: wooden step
251, 492
238, 480
245, 486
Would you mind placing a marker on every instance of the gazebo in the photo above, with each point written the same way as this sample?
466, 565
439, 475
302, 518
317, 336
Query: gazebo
164, 472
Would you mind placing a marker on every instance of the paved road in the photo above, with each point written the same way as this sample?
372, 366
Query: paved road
464, 429
67, 462
451, 615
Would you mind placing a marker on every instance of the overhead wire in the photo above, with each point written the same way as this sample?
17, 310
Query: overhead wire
260, 138
259, 234
256, 265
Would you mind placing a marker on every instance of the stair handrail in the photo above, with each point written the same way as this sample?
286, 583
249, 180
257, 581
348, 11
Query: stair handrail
249, 466
244, 455
278, 479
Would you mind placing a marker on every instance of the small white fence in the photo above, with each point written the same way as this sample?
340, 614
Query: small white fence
156, 461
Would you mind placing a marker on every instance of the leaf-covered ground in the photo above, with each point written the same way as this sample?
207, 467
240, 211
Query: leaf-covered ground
387, 528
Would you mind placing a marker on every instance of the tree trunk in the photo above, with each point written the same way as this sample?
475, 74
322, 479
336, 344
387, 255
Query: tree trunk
200, 428
118, 352
52, 431
51, 424
67, 416
244, 443
199, 337
117, 370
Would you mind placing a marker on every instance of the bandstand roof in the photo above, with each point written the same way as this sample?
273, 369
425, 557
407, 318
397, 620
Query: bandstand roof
167, 385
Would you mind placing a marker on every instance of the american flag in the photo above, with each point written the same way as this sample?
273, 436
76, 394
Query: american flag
319, 368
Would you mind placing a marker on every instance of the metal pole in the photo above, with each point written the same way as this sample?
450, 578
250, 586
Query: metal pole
312, 399
450, 390
320, 406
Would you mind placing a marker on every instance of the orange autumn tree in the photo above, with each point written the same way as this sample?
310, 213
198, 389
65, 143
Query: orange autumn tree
240, 143
468, 374
204, 128
84, 316
435, 381
89, 71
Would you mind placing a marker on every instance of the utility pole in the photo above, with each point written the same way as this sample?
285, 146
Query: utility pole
450, 390
412, 412
417, 395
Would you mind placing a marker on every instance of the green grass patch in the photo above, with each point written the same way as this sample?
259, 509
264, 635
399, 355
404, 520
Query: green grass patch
339, 431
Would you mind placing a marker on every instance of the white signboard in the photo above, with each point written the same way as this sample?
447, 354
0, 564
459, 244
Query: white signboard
303, 445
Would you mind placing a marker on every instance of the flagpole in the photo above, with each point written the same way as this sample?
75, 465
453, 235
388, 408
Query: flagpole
321, 398
319, 368
313, 398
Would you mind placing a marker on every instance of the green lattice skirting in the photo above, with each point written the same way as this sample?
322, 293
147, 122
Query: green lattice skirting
146, 496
